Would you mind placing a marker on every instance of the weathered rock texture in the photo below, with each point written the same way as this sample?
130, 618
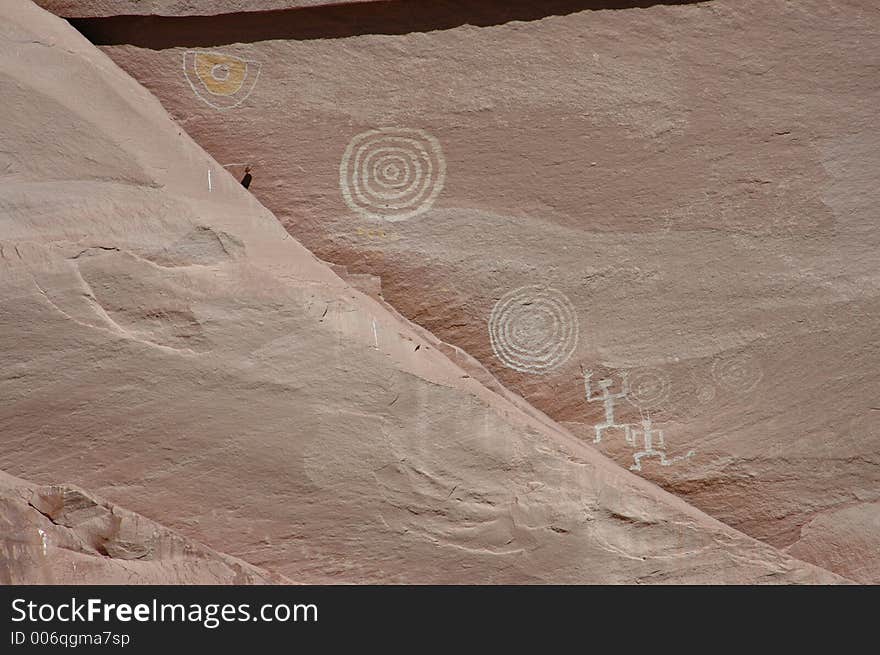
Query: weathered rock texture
845, 540
63, 535
695, 183
165, 343
99, 8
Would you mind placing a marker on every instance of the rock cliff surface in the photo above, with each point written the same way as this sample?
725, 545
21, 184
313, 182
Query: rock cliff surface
678, 199
102, 8
60, 534
165, 343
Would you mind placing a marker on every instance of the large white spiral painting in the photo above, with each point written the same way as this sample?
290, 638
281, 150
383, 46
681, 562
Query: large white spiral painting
533, 329
392, 173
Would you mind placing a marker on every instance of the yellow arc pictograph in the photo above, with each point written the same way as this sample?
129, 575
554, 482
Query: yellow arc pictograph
220, 80
221, 74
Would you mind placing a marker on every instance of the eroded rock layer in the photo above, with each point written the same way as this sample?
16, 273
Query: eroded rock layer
61, 534
103, 8
166, 344
675, 203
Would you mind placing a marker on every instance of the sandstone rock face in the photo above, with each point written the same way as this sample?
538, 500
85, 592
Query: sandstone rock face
64, 535
166, 344
675, 204
100, 8
845, 540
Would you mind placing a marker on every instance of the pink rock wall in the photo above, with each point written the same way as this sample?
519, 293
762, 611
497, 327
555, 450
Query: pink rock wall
165, 343
678, 199
100, 8
696, 184
60, 534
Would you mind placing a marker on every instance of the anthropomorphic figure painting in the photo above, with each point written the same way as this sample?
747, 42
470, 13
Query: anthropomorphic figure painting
608, 398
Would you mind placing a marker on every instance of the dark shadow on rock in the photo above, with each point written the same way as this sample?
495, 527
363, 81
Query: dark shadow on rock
334, 21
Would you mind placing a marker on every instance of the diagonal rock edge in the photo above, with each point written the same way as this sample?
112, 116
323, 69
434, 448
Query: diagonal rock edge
549, 486
775, 494
813, 260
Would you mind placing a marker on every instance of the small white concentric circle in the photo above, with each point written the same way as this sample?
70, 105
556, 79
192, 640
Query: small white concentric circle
533, 329
739, 373
648, 388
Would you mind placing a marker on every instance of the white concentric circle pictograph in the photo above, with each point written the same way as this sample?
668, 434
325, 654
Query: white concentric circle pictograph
648, 388
392, 173
705, 393
739, 373
533, 329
